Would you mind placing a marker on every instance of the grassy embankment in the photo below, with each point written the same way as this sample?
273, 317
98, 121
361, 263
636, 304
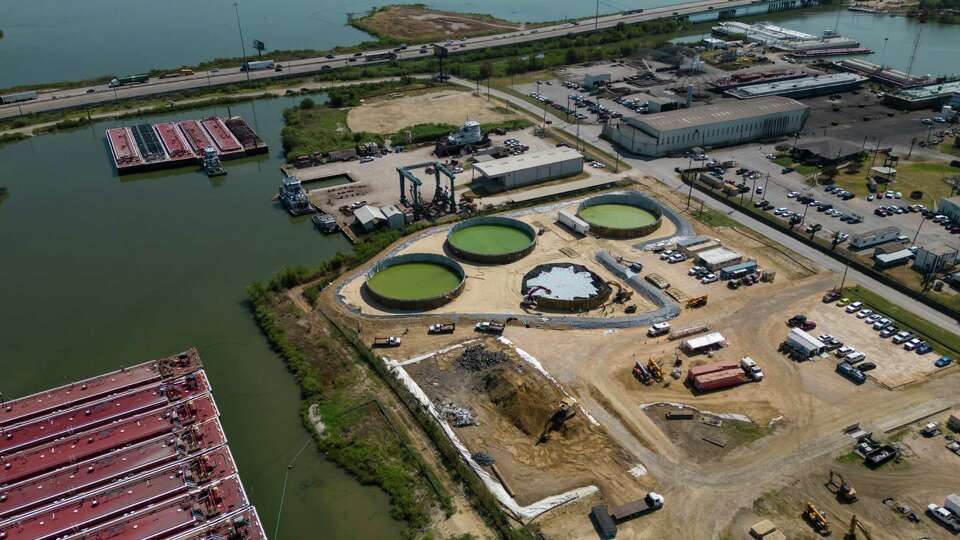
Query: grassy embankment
341, 376
311, 128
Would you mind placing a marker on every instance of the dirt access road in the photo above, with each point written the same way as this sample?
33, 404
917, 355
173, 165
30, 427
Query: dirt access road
415, 24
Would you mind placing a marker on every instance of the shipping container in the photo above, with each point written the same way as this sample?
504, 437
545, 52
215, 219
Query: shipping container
711, 368
574, 223
719, 379
18, 97
257, 65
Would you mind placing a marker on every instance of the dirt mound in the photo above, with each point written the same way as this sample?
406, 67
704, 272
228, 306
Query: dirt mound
524, 403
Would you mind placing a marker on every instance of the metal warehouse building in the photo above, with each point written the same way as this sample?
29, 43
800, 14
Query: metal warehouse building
726, 123
516, 171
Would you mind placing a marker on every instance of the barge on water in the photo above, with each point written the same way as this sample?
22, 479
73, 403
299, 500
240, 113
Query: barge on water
134, 454
168, 145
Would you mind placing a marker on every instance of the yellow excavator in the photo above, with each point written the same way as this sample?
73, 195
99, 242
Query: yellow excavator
844, 491
655, 370
855, 524
818, 520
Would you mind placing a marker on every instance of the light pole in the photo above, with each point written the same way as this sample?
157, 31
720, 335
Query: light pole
922, 219
243, 46
596, 18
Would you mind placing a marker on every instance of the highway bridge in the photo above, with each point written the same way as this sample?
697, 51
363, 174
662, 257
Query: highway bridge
695, 11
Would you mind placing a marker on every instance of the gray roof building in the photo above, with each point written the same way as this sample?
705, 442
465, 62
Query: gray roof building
531, 168
726, 123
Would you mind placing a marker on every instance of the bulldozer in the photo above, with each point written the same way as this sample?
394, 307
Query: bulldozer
837, 485
564, 412
818, 520
855, 524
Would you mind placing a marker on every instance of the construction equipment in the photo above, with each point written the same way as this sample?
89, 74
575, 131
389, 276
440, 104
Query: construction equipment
392, 341
698, 301
855, 524
844, 491
442, 328
530, 299
641, 373
817, 519
564, 412
655, 370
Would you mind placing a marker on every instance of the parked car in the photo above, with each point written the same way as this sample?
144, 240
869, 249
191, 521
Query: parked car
864, 313
709, 278
902, 337
866, 366
943, 361
912, 344
888, 331
843, 302
695, 270
854, 307
924, 348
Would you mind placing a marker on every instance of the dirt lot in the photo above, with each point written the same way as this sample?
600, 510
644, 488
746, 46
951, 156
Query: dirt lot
496, 288
512, 403
771, 464
390, 115
416, 23
895, 365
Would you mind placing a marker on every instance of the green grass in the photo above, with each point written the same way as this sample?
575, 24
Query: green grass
943, 342
713, 218
849, 457
786, 161
927, 177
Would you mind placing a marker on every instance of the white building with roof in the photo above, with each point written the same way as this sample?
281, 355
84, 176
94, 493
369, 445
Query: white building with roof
804, 344
718, 258
712, 340
369, 217
530, 168
721, 124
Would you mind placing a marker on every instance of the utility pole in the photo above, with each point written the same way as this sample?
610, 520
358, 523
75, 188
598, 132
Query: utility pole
754, 189
243, 46
596, 18
922, 219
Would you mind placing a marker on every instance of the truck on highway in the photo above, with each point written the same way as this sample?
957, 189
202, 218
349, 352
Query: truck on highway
19, 96
373, 57
257, 65
129, 79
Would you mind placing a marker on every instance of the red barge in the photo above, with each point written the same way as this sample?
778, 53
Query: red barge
134, 454
176, 144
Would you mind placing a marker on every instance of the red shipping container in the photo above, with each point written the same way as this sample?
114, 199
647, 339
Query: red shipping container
711, 368
719, 379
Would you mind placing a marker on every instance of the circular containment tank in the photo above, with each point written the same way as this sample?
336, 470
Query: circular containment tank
414, 281
565, 287
621, 215
491, 240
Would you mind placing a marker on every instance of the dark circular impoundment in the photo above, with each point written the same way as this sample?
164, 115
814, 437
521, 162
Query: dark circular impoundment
565, 287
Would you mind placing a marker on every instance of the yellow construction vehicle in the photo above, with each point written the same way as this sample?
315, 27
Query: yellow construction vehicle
655, 370
698, 301
818, 520
564, 412
844, 491
855, 524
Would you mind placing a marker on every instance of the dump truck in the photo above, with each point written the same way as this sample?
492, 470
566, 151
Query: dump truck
489, 327
392, 341
442, 328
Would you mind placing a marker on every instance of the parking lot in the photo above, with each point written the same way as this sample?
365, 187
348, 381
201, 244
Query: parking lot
895, 365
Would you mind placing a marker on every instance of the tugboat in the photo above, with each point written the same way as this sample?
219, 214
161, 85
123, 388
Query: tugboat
327, 223
211, 162
294, 197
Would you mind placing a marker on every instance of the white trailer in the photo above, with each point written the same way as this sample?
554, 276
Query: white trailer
572, 222
19, 96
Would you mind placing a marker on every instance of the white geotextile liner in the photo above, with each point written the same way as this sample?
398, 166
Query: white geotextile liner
725, 416
495, 487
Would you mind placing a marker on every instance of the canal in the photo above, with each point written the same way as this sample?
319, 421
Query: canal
99, 272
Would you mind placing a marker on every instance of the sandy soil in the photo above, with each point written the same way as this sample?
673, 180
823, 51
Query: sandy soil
496, 288
512, 403
390, 115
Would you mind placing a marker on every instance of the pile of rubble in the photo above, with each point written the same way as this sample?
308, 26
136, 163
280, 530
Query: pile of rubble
476, 357
456, 415
483, 459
